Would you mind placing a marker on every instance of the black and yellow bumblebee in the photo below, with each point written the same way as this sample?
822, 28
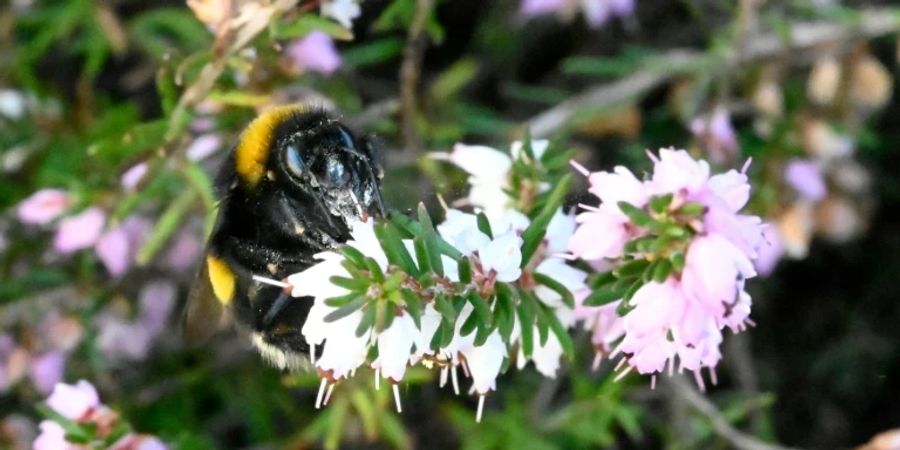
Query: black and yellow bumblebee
289, 189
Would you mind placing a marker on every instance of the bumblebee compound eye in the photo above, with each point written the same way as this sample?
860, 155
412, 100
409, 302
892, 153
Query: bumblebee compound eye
293, 160
335, 172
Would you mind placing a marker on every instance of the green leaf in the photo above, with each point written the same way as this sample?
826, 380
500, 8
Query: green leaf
660, 203
345, 310
354, 256
445, 308
464, 269
484, 225
307, 23
483, 333
167, 224
374, 269
526, 322
367, 411
335, 430
540, 318
394, 249
422, 254
429, 236
414, 229
675, 231
557, 287
534, 234
603, 297
338, 302
597, 281
632, 290
351, 284
482, 310
562, 335
376, 51
692, 209
413, 306
638, 216
631, 268
504, 312
678, 261
662, 270
366, 323
469, 325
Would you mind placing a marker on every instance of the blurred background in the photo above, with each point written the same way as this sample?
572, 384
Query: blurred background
115, 114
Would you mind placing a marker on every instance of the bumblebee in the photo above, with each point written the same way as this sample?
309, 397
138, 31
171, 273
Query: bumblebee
288, 190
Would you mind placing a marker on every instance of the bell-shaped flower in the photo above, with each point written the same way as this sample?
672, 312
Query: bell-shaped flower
74, 402
43, 206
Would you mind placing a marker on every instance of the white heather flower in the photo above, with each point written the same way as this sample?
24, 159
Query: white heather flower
484, 363
395, 346
342, 11
503, 256
489, 172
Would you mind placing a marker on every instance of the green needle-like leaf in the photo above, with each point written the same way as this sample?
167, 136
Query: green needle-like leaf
534, 234
557, 287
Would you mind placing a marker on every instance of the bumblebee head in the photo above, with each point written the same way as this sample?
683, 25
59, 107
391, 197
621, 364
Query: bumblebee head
309, 156
320, 156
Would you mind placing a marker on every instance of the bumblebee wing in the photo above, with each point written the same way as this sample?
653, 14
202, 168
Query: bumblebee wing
203, 311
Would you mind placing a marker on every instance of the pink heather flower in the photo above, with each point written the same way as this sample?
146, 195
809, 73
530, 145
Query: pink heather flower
770, 251
138, 442
596, 12
717, 135
185, 251
676, 172
203, 146
117, 247
530, 8
79, 231
74, 402
44, 206
52, 437
806, 178
683, 316
47, 370
715, 271
157, 299
315, 52
133, 176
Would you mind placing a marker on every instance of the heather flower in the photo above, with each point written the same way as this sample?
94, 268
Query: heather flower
44, 206
489, 173
596, 12
133, 176
701, 251
74, 401
95, 422
117, 247
717, 135
342, 11
315, 52
52, 437
13, 104
203, 145
769, 252
806, 178
46, 370
79, 231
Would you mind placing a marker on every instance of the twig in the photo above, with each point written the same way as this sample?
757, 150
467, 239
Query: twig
235, 41
737, 438
872, 22
410, 71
